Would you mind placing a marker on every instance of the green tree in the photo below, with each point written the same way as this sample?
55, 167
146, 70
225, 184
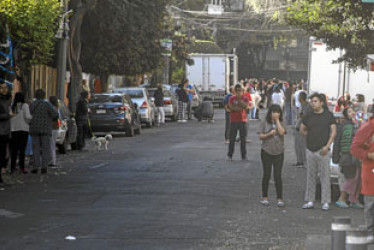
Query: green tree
32, 25
125, 39
345, 24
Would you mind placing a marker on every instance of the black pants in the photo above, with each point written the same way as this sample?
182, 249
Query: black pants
268, 162
4, 140
82, 131
227, 126
234, 128
18, 143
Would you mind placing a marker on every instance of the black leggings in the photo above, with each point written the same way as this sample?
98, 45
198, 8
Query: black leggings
268, 162
18, 143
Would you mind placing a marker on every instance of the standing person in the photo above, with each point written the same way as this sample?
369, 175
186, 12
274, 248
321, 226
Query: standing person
5, 115
190, 90
349, 181
159, 102
238, 106
277, 97
269, 93
182, 100
41, 131
363, 148
288, 103
55, 127
81, 117
227, 113
319, 126
296, 98
271, 133
300, 139
86, 87
20, 131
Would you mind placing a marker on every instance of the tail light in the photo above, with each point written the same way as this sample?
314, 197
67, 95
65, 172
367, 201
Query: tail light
144, 105
119, 110
59, 123
167, 102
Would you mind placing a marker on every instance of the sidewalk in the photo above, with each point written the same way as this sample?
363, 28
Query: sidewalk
322, 242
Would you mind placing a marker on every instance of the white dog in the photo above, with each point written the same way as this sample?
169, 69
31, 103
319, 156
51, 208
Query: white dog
102, 142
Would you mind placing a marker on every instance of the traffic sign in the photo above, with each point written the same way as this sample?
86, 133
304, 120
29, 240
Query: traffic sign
368, 1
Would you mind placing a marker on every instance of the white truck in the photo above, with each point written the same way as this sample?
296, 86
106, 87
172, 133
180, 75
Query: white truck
329, 78
213, 74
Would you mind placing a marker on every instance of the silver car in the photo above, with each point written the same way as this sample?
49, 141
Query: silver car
141, 97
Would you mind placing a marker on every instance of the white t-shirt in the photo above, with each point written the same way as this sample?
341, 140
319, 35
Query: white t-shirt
296, 96
278, 98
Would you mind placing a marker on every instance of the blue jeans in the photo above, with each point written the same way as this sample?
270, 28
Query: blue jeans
288, 113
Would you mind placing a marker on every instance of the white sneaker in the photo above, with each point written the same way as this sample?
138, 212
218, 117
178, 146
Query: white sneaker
264, 202
308, 205
326, 207
183, 120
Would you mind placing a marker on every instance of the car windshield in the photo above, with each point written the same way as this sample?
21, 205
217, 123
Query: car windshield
133, 93
105, 98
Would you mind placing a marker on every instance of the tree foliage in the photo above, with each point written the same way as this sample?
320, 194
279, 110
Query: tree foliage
32, 25
123, 37
345, 24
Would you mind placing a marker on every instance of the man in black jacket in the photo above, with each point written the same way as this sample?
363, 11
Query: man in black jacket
81, 118
5, 116
159, 102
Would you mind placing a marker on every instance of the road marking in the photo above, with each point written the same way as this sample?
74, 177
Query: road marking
10, 214
101, 165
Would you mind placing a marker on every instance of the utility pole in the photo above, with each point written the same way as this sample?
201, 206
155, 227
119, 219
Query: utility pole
63, 36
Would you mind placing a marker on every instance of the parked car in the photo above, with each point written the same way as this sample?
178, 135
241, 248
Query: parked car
141, 97
67, 132
114, 112
170, 103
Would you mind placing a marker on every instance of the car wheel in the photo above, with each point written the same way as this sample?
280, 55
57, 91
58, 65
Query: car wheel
62, 148
130, 132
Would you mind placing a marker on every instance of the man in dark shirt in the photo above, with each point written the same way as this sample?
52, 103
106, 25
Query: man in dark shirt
319, 126
81, 117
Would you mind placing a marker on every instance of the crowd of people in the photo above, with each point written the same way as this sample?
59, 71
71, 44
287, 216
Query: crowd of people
345, 131
32, 128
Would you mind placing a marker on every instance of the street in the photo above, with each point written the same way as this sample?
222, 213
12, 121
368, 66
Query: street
170, 188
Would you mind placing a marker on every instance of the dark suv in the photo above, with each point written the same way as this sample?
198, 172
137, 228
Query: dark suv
114, 112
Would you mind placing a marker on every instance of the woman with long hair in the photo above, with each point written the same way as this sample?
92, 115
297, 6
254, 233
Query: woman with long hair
349, 180
19, 131
271, 133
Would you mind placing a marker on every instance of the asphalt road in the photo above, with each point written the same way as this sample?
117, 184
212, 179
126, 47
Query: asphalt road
169, 188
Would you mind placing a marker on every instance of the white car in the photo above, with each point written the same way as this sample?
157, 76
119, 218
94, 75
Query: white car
143, 101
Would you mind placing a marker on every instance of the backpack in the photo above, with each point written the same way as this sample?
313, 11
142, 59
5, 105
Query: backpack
347, 162
346, 138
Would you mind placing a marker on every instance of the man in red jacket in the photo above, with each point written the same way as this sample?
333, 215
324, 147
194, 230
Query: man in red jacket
363, 148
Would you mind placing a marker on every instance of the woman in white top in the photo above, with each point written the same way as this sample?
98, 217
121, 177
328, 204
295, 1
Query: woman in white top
278, 96
19, 131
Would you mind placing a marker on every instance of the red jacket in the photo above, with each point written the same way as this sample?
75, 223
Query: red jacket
363, 143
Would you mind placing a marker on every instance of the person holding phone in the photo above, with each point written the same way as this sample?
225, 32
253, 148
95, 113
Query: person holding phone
271, 133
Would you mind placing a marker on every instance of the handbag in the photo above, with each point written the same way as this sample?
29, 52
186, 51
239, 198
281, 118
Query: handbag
348, 164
